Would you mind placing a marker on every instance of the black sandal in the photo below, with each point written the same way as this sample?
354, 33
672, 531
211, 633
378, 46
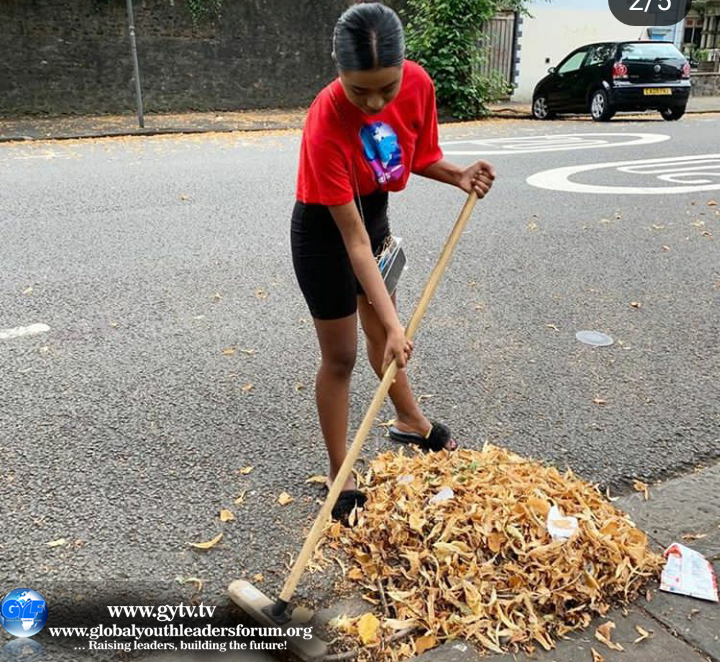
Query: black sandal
434, 441
346, 501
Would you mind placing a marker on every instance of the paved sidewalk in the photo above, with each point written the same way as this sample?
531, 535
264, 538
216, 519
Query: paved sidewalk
100, 126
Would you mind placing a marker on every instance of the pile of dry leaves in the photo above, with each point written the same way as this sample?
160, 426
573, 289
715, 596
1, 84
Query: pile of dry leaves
457, 545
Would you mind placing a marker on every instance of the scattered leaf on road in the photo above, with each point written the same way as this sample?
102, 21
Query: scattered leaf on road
644, 634
284, 499
28, 291
240, 499
230, 351
57, 543
207, 545
596, 657
191, 580
603, 634
636, 304
258, 577
317, 479
249, 352
226, 515
248, 387
599, 401
692, 537
261, 294
245, 471
639, 486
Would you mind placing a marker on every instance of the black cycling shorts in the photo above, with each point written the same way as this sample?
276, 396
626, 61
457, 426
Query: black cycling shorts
322, 265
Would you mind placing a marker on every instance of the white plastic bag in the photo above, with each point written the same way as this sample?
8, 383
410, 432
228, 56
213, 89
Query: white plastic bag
559, 526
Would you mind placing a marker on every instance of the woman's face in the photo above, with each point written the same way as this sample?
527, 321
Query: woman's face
372, 90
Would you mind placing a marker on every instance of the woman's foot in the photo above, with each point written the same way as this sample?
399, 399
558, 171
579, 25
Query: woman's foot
349, 483
349, 499
424, 428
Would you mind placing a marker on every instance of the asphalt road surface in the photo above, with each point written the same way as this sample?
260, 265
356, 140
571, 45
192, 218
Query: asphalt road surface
180, 349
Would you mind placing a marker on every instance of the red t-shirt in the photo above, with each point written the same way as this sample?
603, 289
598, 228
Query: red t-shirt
384, 148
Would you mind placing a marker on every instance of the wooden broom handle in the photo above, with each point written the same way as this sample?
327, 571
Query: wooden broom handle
377, 401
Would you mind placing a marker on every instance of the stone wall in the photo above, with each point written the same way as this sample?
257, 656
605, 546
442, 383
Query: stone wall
706, 85
73, 56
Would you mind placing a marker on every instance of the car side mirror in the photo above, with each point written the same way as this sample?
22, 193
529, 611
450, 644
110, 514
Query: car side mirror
552, 70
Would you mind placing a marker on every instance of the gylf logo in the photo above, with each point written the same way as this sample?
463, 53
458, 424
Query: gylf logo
23, 612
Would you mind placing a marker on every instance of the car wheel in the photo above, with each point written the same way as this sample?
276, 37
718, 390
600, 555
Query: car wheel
541, 109
600, 107
672, 114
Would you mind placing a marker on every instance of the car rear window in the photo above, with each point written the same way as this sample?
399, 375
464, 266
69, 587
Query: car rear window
650, 52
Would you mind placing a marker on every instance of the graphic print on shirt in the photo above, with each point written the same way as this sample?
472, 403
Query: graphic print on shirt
382, 150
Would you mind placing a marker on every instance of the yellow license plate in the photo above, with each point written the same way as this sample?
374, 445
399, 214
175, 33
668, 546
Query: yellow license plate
650, 91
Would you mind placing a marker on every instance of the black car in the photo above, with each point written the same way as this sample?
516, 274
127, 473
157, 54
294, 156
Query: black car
604, 78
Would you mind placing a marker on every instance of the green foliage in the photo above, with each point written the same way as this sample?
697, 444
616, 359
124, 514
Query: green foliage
445, 37
201, 10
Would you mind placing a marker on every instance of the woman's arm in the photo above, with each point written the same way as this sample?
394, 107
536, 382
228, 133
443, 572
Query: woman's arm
357, 244
478, 177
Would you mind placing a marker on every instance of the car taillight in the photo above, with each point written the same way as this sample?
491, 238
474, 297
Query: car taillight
620, 71
686, 70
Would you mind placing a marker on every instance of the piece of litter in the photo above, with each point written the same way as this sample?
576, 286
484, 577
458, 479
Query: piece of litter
594, 338
445, 494
688, 572
560, 527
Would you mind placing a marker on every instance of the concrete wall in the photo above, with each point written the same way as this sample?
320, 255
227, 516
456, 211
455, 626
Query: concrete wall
73, 56
558, 27
706, 85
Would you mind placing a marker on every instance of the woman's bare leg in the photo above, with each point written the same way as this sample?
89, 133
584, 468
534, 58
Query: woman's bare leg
338, 347
409, 417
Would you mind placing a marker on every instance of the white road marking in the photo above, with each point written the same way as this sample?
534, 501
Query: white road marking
550, 143
691, 174
18, 331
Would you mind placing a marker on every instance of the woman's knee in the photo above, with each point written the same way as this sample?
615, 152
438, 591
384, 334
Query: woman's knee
339, 363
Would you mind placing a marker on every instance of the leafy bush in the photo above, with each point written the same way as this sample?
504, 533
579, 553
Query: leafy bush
445, 37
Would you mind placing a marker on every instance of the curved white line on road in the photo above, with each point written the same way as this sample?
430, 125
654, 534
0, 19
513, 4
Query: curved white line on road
692, 174
550, 143
19, 331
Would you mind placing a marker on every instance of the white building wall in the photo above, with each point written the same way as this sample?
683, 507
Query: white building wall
558, 27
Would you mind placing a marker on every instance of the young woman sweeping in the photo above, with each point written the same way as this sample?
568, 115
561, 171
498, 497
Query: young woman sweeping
364, 134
